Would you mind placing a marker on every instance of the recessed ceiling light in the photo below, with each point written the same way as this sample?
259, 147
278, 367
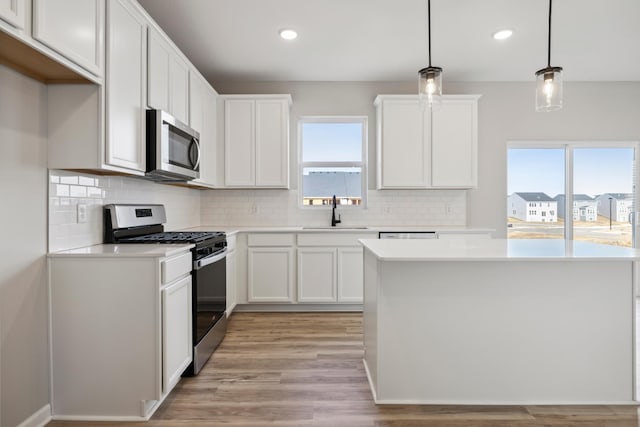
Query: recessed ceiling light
502, 34
288, 34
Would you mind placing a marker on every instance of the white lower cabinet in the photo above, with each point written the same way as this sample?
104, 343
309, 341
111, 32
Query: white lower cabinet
121, 333
177, 347
270, 274
317, 274
330, 268
350, 276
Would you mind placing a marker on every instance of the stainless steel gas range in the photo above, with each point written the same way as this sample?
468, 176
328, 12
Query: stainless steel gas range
144, 224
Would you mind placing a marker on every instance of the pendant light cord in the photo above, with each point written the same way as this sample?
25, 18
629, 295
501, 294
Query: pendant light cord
549, 42
429, 26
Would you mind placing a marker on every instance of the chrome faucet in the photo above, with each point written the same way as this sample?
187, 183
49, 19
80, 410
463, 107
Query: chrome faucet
334, 221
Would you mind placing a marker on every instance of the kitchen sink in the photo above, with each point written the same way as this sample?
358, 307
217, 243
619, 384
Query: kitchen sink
335, 228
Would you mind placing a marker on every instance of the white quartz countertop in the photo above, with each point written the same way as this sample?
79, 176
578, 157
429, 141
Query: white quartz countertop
495, 249
338, 229
125, 250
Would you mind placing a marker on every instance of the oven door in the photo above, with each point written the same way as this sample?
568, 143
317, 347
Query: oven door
209, 307
210, 293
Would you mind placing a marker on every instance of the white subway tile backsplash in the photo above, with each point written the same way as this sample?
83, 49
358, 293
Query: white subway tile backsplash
281, 207
87, 182
67, 189
223, 208
69, 179
62, 190
77, 191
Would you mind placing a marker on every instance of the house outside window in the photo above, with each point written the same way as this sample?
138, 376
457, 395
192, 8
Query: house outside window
332, 160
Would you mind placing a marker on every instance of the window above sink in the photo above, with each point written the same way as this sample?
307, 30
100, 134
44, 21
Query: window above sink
332, 160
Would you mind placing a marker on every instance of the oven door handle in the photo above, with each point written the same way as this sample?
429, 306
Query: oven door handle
201, 263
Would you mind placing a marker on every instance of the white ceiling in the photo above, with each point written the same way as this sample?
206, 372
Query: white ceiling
386, 40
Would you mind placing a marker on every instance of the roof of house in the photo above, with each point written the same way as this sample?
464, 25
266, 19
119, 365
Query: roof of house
618, 196
326, 184
535, 197
577, 197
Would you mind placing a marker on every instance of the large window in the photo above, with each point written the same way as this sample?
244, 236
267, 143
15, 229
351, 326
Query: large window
332, 160
581, 191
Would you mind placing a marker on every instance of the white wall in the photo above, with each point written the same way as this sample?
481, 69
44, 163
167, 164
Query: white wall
24, 356
592, 112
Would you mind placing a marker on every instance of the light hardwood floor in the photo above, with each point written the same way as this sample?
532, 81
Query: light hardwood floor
305, 369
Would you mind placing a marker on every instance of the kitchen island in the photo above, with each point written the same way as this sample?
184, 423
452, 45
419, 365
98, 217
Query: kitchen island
495, 321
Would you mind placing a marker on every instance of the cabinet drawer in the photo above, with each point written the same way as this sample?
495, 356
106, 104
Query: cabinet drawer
271, 239
176, 267
332, 239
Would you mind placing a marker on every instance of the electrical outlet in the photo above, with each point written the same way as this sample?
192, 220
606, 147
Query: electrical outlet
448, 209
82, 213
253, 210
386, 210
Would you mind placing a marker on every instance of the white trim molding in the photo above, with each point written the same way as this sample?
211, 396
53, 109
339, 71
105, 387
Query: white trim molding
39, 418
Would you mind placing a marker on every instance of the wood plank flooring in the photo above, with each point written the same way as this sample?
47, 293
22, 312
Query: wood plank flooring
305, 369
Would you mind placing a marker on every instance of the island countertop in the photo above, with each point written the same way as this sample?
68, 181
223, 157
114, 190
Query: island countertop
495, 250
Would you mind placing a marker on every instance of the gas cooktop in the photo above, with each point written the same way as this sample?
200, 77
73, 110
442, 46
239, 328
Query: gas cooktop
174, 237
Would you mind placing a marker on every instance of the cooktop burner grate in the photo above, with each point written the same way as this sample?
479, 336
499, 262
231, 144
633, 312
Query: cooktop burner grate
174, 236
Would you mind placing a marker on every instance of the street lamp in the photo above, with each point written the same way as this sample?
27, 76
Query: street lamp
610, 200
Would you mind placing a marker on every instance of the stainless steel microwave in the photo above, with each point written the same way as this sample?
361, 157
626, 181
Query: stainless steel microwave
173, 148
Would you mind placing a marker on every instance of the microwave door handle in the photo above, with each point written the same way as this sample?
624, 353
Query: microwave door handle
197, 162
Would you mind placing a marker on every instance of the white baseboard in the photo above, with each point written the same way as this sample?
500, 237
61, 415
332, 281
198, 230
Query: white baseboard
39, 418
260, 307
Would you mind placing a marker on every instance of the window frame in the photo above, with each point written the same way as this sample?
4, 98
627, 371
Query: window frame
568, 147
364, 122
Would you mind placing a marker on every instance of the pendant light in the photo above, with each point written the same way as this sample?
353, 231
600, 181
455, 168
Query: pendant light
430, 78
549, 82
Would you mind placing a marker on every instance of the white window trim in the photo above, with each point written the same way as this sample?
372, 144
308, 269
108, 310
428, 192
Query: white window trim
364, 120
568, 147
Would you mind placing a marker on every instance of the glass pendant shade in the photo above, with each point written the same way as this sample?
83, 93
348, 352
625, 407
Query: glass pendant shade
430, 84
549, 89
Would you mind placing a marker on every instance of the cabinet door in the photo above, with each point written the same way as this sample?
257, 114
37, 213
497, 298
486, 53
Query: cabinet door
454, 144
73, 28
403, 145
13, 12
202, 117
350, 276
239, 142
177, 351
317, 274
178, 88
270, 275
232, 279
158, 72
126, 83
272, 143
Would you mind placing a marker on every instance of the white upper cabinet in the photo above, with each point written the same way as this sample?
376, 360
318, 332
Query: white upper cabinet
419, 147
402, 151
126, 85
272, 143
73, 28
454, 144
256, 140
202, 117
13, 12
168, 78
